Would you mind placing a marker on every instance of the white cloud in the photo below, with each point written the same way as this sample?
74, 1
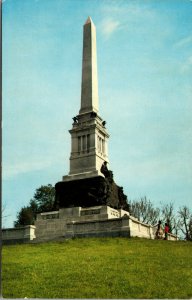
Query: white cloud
133, 18
15, 169
21, 165
109, 26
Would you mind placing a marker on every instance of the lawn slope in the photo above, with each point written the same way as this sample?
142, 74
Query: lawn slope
98, 268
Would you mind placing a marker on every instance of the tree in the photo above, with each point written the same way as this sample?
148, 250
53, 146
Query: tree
186, 222
44, 197
25, 217
33, 206
144, 211
42, 201
169, 216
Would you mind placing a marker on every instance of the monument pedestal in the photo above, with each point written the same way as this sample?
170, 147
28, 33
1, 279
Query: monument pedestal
90, 192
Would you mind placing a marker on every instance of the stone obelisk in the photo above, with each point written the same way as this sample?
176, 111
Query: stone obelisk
89, 88
88, 134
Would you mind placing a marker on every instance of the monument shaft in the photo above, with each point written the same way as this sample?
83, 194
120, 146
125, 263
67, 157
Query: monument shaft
89, 85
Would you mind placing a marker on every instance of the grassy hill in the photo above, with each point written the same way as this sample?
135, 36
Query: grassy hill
98, 268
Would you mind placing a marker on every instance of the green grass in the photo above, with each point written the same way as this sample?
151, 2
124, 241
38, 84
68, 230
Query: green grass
98, 268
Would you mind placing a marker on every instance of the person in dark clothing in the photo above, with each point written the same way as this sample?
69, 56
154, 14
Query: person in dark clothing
159, 232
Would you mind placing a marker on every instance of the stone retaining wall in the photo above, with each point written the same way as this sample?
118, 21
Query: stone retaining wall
81, 222
111, 227
18, 235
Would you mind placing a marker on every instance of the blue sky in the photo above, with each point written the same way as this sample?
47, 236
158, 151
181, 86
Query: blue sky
144, 51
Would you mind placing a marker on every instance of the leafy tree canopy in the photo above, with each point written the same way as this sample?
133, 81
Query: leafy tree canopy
42, 201
25, 217
44, 198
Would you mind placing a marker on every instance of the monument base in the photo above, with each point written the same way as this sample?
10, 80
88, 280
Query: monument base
90, 192
72, 222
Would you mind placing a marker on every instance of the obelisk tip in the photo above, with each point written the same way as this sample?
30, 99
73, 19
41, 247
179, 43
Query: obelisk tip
89, 20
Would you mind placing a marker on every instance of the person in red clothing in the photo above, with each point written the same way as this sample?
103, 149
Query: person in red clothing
166, 230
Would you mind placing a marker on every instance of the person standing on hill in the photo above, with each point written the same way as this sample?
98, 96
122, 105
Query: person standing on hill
159, 232
166, 230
